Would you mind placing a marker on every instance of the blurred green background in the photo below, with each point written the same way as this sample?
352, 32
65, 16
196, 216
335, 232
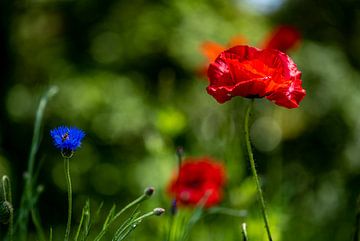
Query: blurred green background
129, 75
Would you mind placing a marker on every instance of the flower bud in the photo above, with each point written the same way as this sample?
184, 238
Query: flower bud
158, 211
5, 212
67, 153
149, 191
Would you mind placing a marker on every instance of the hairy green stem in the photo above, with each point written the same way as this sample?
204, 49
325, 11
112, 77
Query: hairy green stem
254, 172
69, 188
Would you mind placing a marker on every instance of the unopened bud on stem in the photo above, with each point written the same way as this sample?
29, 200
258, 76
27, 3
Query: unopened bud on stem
149, 191
158, 211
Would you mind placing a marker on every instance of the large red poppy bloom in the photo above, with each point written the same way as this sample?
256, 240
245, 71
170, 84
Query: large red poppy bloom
198, 179
253, 73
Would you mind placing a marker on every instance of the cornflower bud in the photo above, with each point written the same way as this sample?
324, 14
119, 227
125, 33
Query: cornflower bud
158, 211
149, 191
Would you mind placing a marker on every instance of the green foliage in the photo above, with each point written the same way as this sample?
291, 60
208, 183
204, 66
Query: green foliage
28, 205
128, 74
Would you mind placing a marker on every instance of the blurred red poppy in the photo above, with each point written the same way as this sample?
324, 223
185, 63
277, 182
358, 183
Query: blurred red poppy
253, 73
282, 38
211, 49
198, 179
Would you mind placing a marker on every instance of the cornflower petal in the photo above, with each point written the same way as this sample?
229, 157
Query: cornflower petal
67, 139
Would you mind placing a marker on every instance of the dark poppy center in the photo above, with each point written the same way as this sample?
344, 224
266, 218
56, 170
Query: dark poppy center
253, 96
196, 183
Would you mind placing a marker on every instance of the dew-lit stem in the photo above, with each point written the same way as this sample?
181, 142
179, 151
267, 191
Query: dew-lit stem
253, 170
69, 188
139, 219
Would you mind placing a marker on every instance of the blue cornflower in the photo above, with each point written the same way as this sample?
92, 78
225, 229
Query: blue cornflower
67, 139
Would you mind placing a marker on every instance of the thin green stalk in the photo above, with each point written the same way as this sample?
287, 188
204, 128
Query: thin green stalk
27, 195
171, 223
253, 169
133, 203
69, 188
85, 223
37, 224
50, 234
139, 219
179, 154
136, 221
80, 225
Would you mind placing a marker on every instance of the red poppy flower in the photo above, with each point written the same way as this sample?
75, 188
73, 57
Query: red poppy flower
197, 179
253, 73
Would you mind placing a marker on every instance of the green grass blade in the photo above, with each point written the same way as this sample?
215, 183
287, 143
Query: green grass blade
37, 224
140, 199
50, 234
124, 228
109, 217
27, 195
85, 214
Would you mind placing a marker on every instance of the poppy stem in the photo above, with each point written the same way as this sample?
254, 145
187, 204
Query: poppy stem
253, 169
69, 188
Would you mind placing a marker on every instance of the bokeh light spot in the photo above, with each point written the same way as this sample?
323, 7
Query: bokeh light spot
266, 134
